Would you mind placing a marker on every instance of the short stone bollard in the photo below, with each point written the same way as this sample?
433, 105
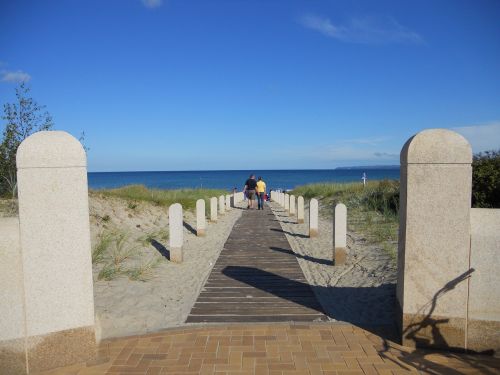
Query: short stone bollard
222, 204
175, 223
313, 217
213, 209
200, 218
287, 203
228, 202
340, 234
292, 205
300, 210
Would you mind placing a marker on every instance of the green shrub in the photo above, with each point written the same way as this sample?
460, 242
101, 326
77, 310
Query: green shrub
486, 180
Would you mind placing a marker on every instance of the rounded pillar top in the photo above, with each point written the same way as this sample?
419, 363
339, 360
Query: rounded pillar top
340, 207
436, 146
50, 149
176, 207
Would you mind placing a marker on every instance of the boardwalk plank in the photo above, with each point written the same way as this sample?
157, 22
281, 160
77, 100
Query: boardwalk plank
257, 278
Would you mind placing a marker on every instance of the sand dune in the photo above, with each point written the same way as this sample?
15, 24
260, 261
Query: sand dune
362, 291
125, 307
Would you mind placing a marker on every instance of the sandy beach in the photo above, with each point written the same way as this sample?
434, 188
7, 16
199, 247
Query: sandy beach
124, 306
360, 292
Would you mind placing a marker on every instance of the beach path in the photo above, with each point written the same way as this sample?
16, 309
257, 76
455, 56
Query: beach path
256, 278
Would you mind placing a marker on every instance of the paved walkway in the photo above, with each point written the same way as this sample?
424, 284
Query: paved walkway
274, 349
254, 281
257, 278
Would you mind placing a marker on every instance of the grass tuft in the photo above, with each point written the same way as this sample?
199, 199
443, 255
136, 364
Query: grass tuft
121, 250
109, 272
144, 272
158, 235
100, 249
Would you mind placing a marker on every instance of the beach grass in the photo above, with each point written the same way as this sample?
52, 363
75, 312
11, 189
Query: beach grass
109, 272
159, 235
372, 210
380, 196
137, 193
143, 272
100, 249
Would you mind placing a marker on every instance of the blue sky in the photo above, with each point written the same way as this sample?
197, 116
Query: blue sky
233, 84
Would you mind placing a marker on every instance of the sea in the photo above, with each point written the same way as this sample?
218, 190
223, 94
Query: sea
230, 179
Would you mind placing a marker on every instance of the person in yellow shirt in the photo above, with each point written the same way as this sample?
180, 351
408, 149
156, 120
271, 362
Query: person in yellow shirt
261, 193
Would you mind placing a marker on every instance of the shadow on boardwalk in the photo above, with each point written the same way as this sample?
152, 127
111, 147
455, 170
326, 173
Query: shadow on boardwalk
352, 305
290, 233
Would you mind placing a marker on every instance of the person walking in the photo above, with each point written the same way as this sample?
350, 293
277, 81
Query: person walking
249, 190
261, 193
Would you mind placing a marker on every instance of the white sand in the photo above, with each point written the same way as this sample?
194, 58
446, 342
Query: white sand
363, 290
125, 307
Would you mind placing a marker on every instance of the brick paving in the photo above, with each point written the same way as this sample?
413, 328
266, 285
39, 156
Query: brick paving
277, 348
256, 278
251, 282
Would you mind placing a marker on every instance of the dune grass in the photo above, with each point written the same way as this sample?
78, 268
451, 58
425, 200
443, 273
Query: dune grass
100, 249
114, 249
143, 272
380, 196
371, 210
160, 235
186, 197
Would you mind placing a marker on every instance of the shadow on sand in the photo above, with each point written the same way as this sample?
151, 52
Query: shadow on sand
189, 227
161, 249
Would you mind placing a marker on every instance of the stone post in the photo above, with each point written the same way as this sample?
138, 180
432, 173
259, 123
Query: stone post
293, 211
313, 217
300, 209
175, 224
340, 234
434, 239
200, 218
222, 204
287, 203
228, 202
213, 209
54, 253
12, 317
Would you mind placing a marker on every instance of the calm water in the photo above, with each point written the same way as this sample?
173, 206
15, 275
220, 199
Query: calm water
275, 179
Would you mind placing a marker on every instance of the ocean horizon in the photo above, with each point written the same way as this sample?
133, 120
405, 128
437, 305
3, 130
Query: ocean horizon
230, 179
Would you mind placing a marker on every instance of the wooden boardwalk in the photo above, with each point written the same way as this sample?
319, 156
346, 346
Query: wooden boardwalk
257, 278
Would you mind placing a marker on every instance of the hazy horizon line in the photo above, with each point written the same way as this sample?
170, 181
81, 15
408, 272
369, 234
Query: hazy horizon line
383, 166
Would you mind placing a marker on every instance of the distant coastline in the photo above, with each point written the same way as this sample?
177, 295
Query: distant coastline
368, 167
